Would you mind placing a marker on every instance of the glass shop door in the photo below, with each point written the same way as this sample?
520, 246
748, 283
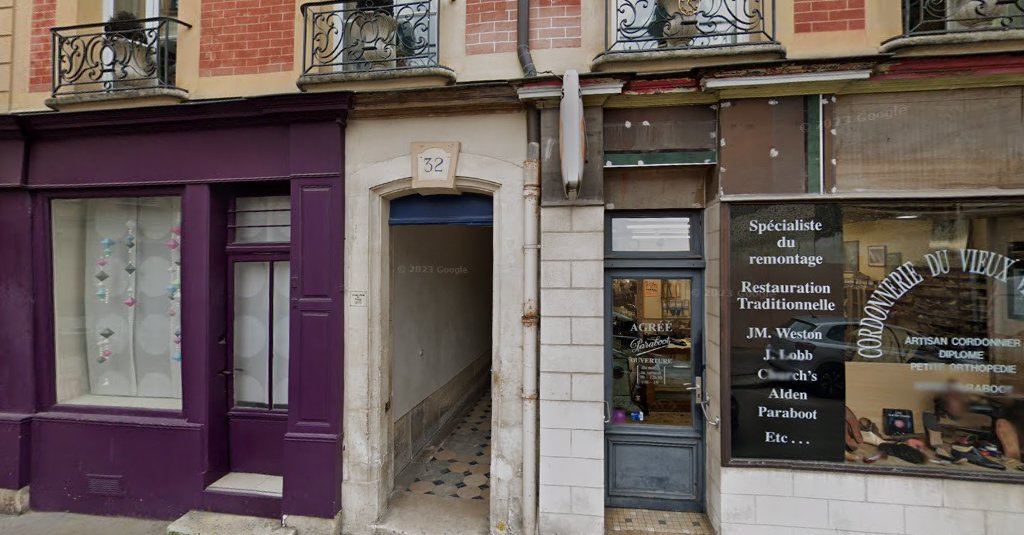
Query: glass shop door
654, 431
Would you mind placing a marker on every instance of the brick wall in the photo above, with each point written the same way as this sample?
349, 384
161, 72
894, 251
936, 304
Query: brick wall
572, 370
828, 15
491, 25
44, 17
246, 37
555, 24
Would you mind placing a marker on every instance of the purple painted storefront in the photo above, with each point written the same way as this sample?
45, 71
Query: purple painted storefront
158, 462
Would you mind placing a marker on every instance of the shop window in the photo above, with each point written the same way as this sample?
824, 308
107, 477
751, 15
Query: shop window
117, 301
883, 335
260, 282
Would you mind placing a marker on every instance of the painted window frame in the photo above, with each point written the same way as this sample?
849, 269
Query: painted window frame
696, 251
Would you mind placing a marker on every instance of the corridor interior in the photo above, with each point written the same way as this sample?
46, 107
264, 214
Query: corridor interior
440, 381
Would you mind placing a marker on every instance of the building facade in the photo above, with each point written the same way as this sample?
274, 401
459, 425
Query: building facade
348, 267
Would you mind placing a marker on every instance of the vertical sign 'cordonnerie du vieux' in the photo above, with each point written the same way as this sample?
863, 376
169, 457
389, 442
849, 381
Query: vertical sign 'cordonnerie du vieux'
786, 277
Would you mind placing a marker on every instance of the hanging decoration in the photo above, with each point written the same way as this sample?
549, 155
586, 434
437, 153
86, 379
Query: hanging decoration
103, 294
129, 267
174, 290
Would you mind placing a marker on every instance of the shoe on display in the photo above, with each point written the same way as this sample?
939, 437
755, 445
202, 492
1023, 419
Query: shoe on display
867, 425
1006, 432
931, 425
971, 455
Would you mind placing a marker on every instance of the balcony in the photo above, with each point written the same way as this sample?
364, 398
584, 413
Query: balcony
646, 30
369, 40
945, 22
122, 58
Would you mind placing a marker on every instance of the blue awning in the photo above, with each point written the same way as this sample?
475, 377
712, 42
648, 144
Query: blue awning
465, 209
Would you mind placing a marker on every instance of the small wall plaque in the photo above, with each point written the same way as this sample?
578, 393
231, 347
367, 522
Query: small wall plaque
433, 167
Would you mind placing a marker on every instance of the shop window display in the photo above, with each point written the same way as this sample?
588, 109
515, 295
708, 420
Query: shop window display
117, 301
883, 334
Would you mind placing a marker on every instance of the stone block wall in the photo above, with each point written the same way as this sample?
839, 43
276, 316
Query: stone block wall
572, 371
788, 502
6, 52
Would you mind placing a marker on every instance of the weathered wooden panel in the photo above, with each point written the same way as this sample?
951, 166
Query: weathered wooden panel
660, 129
763, 146
656, 187
958, 139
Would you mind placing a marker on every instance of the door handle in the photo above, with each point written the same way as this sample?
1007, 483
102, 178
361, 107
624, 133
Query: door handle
607, 412
697, 387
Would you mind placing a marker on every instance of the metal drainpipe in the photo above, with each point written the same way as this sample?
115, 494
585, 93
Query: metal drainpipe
523, 39
531, 319
531, 275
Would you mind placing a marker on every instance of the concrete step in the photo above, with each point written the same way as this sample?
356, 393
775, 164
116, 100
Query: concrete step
419, 514
207, 523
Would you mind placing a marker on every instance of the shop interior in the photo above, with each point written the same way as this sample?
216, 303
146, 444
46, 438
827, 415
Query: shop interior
925, 402
652, 346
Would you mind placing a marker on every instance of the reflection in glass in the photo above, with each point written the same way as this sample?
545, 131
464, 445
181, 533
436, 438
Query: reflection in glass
652, 351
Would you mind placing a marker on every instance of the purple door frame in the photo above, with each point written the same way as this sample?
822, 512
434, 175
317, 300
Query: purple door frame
157, 463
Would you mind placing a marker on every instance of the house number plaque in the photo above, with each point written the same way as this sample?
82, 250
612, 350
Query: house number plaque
433, 167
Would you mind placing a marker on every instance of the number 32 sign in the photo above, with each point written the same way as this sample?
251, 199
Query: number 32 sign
433, 166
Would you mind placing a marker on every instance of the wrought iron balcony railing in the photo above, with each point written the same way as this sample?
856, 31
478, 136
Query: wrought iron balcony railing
116, 56
369, 35
931, 17
646, 25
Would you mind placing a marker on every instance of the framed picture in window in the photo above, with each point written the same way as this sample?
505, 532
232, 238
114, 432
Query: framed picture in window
851, 256
876, 255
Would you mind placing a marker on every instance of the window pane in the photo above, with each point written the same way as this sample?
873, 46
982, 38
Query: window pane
263, 219
650, 234
879, 333
281, 312
251, 333
135, 7
651, 351
117, 295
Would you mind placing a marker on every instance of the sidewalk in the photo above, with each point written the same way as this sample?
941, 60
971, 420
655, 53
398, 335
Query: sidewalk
33, 523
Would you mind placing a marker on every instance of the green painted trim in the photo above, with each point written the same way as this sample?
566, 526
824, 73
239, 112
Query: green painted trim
812, 128
646, 159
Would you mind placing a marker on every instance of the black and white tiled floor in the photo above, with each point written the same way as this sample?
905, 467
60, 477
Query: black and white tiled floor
460, 467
